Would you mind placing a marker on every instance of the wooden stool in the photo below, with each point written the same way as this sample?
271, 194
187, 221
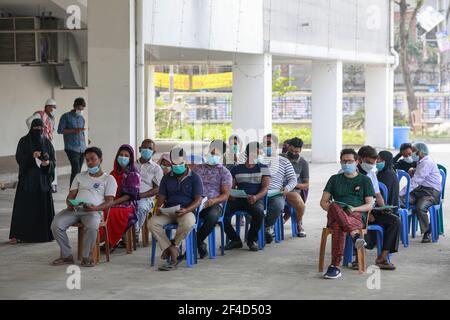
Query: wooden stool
323, 243
130, 239
96, 247
145, 233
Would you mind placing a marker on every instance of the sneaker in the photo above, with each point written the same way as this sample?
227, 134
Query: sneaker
426, 237
167, 266
359, 242
202, 251
332, 273
268, 235
234, 245
252, 246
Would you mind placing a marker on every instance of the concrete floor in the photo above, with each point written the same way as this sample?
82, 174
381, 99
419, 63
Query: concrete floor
282, 271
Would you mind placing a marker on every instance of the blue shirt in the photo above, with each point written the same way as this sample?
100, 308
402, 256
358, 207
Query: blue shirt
180, 192
249, 179
73, 141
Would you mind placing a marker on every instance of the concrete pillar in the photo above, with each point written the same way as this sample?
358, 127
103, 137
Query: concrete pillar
379, 106
252, 96
150, 105
112, 76
326, 111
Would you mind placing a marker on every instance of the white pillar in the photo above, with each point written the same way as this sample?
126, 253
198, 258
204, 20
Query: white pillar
112, 77
252, 96
151, 105
326, 111
379, 106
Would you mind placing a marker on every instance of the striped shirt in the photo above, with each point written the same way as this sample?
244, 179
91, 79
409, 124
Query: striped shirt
282, 172
249, 179
73, 141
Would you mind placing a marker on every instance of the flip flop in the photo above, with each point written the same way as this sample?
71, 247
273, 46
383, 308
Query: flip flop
385, 265
63, 261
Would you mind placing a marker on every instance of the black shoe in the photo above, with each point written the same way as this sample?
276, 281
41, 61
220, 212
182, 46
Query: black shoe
202, 251
268, 236
252, 246
426, 237
234, 245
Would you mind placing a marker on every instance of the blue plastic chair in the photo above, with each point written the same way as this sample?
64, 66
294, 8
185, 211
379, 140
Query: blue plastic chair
441, 209
212, 246
433, 212
261, 232
404, 212
293, 215
190, 242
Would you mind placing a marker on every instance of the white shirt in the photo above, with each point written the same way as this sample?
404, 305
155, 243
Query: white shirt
151, 173
93, 190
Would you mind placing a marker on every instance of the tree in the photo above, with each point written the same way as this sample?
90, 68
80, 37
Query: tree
405, 29
281, 86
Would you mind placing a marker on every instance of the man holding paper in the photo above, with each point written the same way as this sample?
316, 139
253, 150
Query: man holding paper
217, 182
91, 192
182, 189
284, 180
253, 178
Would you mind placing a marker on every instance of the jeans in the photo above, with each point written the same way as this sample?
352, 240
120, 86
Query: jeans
76, 162
274, 207
256, 211
210, 217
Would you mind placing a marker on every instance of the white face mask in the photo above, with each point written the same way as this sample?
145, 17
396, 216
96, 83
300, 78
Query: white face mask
80, 112
367, 167
53, 113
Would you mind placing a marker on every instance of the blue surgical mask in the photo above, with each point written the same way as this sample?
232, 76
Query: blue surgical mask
367, 167
415, 157
212, 160
268, 151
179, 168
123, 161
348, 168
380, 166
146, 154
94, 170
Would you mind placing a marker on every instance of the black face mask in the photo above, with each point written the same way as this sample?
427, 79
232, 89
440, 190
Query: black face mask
293, 156
37, 135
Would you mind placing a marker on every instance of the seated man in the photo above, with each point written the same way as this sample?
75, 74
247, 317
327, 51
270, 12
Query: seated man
253, 177
386, 219
297, 197
356, 191
97, 189
425, 188
151, 175
404, 160
180, 187
217, 182
283, 179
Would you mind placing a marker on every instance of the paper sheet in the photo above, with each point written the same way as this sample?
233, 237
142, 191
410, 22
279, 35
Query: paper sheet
238, 193
171, 211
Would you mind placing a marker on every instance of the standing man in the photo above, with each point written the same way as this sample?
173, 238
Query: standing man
72, 126
48, 117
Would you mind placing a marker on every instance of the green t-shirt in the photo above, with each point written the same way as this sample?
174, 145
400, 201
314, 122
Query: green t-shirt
352, 191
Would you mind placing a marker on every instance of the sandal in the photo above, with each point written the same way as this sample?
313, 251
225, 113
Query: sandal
63, 261
13, 241
87, 262
354, 265
385, 265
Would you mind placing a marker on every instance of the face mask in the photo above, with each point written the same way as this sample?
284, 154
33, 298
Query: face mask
268, 151
408, 159
349, 168
94, 170
37, 132
179, 169
79, 112
293, 156
367, 167
235, 149
380, 166
53, 113
259, 159
212, 160
123, 161
146, 153
415, 157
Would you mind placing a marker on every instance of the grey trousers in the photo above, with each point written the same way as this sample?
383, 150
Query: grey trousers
65, 219
423, 198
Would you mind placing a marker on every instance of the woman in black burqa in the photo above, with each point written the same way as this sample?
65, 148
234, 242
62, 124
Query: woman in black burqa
33, 210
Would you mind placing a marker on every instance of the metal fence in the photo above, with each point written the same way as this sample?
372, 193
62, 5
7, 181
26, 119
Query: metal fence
297, 106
